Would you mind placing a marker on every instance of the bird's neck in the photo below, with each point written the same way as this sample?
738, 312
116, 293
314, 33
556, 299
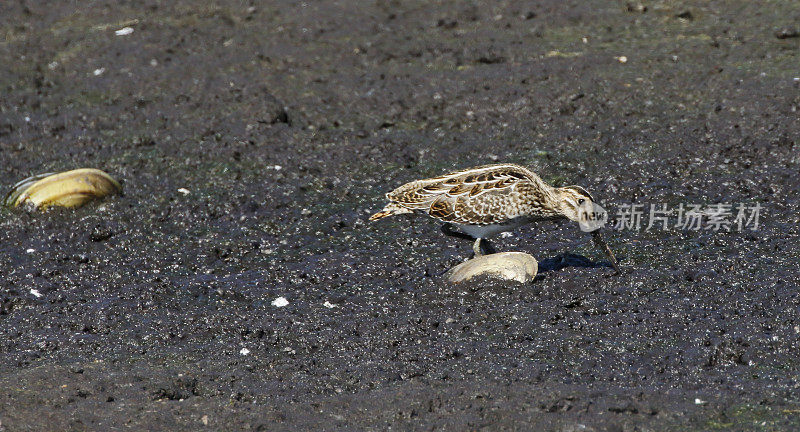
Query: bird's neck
560, 201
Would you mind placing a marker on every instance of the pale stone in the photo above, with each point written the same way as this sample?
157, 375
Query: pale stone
516, 266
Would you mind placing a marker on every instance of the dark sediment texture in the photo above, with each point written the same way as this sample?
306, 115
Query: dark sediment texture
287, 122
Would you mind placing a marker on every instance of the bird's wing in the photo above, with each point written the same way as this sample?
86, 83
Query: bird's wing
471, 196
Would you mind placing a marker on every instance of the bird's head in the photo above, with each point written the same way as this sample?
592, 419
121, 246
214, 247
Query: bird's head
575, 203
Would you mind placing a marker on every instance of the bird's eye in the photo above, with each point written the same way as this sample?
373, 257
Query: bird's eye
581, 201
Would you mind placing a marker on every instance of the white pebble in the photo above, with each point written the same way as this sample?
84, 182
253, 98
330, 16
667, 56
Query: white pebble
699, 401
30, 250
124, 31
274, 167
36, 292
280, 302
329, 305
184, 191
244, 351
99, 71
622, 59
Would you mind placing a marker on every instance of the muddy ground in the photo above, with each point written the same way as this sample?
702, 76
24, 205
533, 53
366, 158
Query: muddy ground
288, 121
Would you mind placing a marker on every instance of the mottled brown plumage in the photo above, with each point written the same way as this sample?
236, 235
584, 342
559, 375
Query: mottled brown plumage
484, 195
489, 199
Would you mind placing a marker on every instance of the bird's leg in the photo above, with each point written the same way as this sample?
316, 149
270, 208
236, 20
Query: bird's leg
476, 247
480, 247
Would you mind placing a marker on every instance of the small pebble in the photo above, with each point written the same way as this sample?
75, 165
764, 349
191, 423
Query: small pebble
124, 31
280, 302
184, 191
244, 351
36, 293
329, 305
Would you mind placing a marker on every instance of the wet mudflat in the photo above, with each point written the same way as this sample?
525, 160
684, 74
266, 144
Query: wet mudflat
252, 143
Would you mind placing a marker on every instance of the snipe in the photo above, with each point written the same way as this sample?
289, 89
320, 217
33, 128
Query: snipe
486, 200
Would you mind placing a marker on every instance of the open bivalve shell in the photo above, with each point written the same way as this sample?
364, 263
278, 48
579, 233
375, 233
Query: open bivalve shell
67, 189
515, 266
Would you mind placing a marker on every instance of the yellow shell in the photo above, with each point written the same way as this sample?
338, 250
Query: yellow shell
67, 189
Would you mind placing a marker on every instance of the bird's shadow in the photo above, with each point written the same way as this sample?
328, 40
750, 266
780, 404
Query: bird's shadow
562, 261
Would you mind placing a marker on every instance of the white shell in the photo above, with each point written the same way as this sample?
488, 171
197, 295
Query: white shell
516, 266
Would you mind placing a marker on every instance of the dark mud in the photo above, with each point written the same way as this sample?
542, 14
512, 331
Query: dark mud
147, 300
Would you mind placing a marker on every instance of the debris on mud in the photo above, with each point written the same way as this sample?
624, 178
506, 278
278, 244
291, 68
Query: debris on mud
67, 189
512, 266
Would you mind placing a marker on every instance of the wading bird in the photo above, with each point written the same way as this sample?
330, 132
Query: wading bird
486, 200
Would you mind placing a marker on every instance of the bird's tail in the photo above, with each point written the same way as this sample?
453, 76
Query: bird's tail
391, 209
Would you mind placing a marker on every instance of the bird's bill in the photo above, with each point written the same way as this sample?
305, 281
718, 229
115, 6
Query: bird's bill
601, 243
